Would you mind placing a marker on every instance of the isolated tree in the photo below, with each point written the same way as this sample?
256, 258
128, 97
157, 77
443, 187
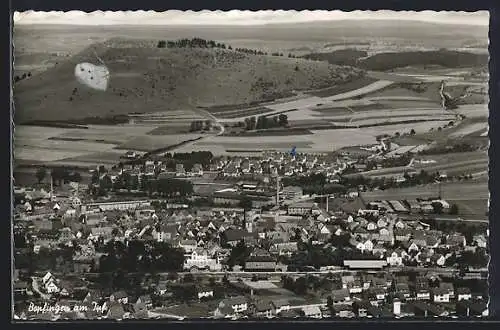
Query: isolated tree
283, 119
454, 209
412, 132
40, 174
438, 207
297, 68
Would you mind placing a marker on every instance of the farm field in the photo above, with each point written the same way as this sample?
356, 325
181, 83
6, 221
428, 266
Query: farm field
95, 145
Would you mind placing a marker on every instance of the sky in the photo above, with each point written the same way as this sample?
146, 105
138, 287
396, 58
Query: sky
238, 17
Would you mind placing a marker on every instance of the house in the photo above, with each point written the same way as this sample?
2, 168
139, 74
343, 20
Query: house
312, 311
105, 232
161, 289
116, 311
438, 260
263, 308
480, 241
340, 296
143, 303
165, 232
205, 292
52, 287
464, 294
395, 258
260, 260
201, 259
300, 208
47, 278
440, 295
197, 169
291, 192
231, 306
280, 305
179, 170
456, 240
119, 296
449, 288
378, 293
422, 293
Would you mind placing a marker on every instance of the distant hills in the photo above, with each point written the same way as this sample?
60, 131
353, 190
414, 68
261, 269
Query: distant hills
393, 60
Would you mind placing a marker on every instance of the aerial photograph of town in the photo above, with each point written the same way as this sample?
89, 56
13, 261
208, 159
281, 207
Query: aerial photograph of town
248, 165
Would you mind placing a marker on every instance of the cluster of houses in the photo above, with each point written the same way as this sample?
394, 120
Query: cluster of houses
283, 164
376, 235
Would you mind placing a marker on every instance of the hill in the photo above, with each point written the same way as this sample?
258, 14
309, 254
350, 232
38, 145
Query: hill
145, 78
444, 58
339, 57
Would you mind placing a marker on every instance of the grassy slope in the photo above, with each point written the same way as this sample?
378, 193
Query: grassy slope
145, 78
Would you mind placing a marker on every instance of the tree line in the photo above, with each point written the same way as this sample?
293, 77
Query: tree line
265, 122
58, 174
139, 256
202, 43
164, 187
22, 77
190, 43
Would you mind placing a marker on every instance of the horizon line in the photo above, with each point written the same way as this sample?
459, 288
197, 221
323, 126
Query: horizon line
241, 18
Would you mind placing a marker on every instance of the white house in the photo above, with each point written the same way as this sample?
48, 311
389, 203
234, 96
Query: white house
205, 293
312, 311
423, 294
395, 259
464, 294
51, 286
202, 260
368, 245
440, 295
47, 277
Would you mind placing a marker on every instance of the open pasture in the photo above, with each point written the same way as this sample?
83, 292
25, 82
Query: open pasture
469, 129
474, 110
343, 88
43, 155
152, 142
